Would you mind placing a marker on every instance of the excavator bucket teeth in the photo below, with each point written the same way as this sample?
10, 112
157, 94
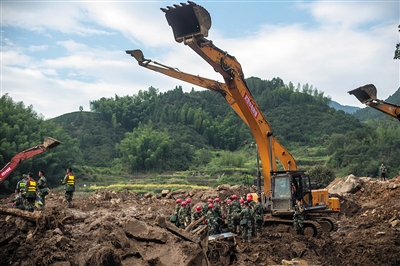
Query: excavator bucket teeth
365, 93
188, 20
50, 143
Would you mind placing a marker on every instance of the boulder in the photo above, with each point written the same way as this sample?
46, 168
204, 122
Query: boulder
349, 184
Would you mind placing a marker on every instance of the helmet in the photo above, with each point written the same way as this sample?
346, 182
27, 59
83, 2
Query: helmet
210, 201
199, 208
241, 201
24, 176
178, 201
210, 206
228, 201
216, 200
189, 200
250, 195
249, 199
184, 203
234, 196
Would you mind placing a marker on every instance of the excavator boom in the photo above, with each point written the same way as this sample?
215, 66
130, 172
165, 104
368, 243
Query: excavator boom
234, 90
48, 143
367, 95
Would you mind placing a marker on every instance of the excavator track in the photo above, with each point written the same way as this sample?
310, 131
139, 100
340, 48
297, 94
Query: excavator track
328, 224
311, 227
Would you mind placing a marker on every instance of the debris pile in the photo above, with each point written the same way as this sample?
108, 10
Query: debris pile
125, 228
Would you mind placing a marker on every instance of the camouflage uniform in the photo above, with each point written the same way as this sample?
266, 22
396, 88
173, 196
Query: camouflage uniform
233, 218
246, 222
42, 183
188, 214
176, 210
197, 215
212, 223
21, 192
382, 171
258, 212
298, 219
182, 217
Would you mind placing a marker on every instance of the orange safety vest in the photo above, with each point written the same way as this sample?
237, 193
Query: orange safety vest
71, 180
31, 186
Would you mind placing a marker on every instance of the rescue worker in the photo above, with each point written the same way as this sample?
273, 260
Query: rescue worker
198, 213
218, 214
20, 192
174, 217
246, 222
182, 216
212, 223
205, 206
42, 187
69, 182
382, 172
233, 212
30, 193
298, 217
189, 210
258, 217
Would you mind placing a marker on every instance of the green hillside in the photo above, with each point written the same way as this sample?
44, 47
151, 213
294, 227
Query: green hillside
196, 137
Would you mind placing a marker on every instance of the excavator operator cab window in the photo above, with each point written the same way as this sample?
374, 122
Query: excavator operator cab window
281, 192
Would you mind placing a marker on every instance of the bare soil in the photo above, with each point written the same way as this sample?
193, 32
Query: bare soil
125, 228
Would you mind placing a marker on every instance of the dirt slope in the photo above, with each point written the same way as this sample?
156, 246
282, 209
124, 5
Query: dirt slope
125, 228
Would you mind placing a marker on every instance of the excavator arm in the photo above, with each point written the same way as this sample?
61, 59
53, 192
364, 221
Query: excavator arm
190, 24
367, 95
48, 143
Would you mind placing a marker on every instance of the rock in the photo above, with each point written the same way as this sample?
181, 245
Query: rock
164, 192
57, 231
148, 195
298, 262
349, 184
223, 187
394, 223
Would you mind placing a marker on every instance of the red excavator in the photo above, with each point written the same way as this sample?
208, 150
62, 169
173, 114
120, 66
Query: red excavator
48, 143
190, 24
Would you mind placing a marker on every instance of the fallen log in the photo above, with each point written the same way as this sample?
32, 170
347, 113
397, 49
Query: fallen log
194, 223
30, 216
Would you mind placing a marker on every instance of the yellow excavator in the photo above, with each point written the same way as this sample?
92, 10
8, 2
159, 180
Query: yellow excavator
190, 24
367, 95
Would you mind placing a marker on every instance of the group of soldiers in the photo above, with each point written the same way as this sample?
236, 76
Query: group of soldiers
239, 215
29, 191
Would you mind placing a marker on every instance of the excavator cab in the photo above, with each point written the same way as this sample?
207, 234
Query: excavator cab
365, 93
286, 187
188, 20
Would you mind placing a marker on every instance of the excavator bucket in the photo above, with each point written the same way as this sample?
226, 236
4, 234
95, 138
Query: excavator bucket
50, 143
188, 20
365, 93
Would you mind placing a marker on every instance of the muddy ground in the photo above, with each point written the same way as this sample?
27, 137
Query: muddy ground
125, 228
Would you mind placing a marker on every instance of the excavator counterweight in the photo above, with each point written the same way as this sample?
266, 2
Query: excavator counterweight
188, 20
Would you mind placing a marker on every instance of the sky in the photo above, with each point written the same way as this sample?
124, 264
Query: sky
59, 56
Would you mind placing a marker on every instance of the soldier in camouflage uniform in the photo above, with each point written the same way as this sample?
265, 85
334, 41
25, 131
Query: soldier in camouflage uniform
205, 206
30, 193
298, 217
246, 222
21, 192
182, 216
198, 213
212, 222
174, 217
233, 212
258, 216
189, 210
42, 187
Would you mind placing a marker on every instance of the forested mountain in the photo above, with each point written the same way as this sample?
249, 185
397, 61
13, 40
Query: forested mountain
345, 108
175, 130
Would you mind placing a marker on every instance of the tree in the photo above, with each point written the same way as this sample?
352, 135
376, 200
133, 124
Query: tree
397, 51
